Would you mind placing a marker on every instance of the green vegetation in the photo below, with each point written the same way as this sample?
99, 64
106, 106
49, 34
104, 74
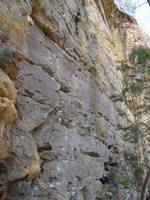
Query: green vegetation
134, 95
132, 134
136, 87
123, 181
121, 112
109, 197
117, 97
140, 55
132, 159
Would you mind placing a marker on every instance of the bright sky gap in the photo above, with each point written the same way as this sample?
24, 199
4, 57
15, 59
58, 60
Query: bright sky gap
142, 13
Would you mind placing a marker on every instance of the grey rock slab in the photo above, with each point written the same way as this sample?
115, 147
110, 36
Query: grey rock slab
38, 85
32, 113
23, 157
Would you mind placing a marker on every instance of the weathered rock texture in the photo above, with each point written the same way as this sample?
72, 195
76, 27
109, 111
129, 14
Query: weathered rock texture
65, 139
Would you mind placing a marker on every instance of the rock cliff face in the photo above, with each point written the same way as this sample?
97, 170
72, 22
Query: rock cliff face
59, 136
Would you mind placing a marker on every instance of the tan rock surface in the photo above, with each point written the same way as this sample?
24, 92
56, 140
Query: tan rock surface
67, 125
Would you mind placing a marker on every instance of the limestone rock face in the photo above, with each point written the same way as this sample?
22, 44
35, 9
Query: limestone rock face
65, 139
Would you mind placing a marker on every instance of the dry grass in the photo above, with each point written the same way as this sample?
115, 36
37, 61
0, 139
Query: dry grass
14, 28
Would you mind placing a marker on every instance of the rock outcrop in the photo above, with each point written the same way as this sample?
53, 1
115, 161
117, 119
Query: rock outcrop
59, 127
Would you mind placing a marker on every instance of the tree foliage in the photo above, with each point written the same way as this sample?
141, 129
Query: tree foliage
134, 95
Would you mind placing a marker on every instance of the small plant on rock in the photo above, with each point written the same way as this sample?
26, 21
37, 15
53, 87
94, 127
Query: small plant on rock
108, 197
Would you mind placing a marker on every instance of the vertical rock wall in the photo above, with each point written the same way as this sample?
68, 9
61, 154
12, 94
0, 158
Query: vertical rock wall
64, 142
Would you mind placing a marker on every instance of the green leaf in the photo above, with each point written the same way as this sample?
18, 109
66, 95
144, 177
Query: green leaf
123, 181
131, 134
140, 55
117, 97
136, 87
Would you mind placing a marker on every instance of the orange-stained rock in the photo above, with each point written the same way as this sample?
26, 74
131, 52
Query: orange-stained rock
10, 60
7, 110
7, 88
